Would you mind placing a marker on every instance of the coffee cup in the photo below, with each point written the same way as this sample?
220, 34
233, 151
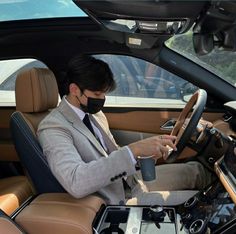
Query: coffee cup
147, 166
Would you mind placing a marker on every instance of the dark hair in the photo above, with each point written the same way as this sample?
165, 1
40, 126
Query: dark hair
90, 73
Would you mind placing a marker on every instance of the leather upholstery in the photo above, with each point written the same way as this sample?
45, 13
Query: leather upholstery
36, 90
60, 213
8, 152
92, 202
13, 192
7, 227
36, 93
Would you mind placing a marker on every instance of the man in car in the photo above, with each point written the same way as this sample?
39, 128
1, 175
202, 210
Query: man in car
85, 158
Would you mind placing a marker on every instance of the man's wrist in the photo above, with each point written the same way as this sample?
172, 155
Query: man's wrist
134, 149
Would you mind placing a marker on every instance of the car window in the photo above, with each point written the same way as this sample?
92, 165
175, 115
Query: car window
143, 84
220, 62
8, 73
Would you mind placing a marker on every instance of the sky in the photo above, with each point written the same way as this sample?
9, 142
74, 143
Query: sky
28, 9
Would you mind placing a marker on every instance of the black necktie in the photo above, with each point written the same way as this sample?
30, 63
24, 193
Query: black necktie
88, 124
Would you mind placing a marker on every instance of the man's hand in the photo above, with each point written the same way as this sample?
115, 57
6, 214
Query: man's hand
157, 146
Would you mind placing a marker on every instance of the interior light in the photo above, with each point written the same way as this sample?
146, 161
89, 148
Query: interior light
163, 27
134, 41
149, 26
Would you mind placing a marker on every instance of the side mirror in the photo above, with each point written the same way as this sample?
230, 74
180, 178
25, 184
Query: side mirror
187, 90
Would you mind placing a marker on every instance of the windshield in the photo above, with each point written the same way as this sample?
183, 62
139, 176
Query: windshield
31, 9
221, 63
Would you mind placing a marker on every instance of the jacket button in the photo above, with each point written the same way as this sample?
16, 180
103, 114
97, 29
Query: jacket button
116, 177
120, 175
121, 203
112, 179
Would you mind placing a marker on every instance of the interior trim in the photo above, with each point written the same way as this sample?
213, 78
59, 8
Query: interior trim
224, 127
148, 121
8, 152
124, 109
229, 186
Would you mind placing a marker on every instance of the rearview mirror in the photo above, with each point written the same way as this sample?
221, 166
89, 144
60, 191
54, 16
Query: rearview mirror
203, 43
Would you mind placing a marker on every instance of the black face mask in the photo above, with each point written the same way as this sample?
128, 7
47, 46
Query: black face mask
94, 105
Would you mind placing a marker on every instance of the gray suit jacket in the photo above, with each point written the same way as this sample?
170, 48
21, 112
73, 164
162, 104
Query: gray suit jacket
77, 159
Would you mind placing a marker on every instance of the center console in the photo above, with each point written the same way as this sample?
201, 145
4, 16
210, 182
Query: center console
210, 211
137, 220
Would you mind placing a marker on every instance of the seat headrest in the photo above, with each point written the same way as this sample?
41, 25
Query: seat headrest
36, 90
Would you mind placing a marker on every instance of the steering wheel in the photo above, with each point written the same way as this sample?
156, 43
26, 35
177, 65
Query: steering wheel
183, 129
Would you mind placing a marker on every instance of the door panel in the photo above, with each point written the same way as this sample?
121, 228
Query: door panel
7, 149
131, 126
148, 121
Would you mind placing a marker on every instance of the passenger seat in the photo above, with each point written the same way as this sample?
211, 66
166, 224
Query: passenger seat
13, 192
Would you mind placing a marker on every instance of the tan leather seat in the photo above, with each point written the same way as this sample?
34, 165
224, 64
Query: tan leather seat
59, 213
13, 192
7, 226
36, 94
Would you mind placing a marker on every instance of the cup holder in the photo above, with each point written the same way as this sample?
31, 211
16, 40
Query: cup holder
190, 202
197, 227
112, 229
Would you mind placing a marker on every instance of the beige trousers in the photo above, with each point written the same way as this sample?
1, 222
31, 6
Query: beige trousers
174, 184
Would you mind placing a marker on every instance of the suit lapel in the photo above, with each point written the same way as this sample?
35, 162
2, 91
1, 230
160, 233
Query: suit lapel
109, 143
72, 117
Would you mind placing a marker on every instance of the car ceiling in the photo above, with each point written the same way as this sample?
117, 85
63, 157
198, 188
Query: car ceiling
57, 36
55, 41
64, 36
60, 37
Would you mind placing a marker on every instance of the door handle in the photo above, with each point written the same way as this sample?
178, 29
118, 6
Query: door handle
168, 125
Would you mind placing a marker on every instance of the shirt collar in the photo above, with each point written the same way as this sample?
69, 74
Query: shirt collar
77, 110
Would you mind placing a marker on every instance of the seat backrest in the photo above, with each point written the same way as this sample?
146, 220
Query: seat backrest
36, 93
